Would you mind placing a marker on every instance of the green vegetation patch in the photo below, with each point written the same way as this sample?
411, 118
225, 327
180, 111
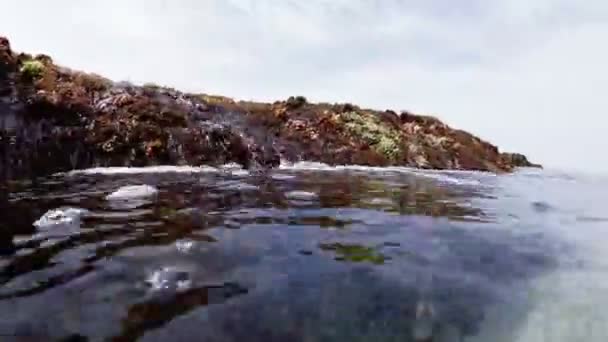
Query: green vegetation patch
354, 253
384, 140
216, 99
32, 69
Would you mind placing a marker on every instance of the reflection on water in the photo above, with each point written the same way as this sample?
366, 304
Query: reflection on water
292, 255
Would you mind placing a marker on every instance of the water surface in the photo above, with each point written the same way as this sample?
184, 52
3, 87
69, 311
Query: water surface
304, 253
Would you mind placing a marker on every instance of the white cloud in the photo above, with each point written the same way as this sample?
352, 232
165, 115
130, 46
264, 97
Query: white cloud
528, 76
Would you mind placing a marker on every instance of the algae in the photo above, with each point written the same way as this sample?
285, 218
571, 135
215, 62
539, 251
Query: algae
354, 253
368, 127
32, 69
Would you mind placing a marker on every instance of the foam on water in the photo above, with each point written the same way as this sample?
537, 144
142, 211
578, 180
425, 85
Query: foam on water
451, 177
169, 278
301, 195
60, 216
55, 224
133, 191
143, 170
119, 170
439, 175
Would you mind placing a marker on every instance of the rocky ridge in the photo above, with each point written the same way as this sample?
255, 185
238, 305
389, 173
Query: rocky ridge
55, 119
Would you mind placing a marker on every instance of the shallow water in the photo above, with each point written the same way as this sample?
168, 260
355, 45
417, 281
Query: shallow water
304, 253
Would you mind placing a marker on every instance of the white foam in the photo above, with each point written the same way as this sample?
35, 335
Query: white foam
232, 168
67, 215
133, 191
168, 278
439, 175
144, 170
301, 195
185, 245
444, 176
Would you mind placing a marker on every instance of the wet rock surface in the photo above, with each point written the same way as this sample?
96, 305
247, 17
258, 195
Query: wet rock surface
55, 119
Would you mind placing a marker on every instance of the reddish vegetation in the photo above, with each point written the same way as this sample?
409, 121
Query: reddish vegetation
53, 119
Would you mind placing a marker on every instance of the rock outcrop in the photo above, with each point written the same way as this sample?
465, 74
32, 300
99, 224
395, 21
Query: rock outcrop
55, 119
519, 160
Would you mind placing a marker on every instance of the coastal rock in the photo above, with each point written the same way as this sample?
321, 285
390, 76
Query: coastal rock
54, 119
519, 160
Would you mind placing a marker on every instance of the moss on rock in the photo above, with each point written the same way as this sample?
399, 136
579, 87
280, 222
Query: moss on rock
32, 69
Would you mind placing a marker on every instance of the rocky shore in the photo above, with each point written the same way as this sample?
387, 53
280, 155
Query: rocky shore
55, 119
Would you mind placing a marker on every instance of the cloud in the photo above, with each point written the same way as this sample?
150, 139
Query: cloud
527, 76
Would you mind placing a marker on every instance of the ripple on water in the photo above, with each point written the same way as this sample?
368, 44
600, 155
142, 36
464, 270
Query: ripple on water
359, 254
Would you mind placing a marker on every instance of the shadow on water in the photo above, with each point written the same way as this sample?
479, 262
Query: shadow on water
293, 255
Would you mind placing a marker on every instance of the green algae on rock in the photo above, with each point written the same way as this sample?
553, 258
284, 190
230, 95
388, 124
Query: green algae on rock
32, 69
384, 140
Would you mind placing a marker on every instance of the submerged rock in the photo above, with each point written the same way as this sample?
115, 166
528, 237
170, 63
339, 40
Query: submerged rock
54, 119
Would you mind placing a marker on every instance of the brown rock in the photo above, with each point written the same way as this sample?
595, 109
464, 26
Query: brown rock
67, 119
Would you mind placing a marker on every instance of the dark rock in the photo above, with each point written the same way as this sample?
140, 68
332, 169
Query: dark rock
295, 102
519, 160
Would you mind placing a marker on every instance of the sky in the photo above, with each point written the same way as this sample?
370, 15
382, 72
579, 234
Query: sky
528, 76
